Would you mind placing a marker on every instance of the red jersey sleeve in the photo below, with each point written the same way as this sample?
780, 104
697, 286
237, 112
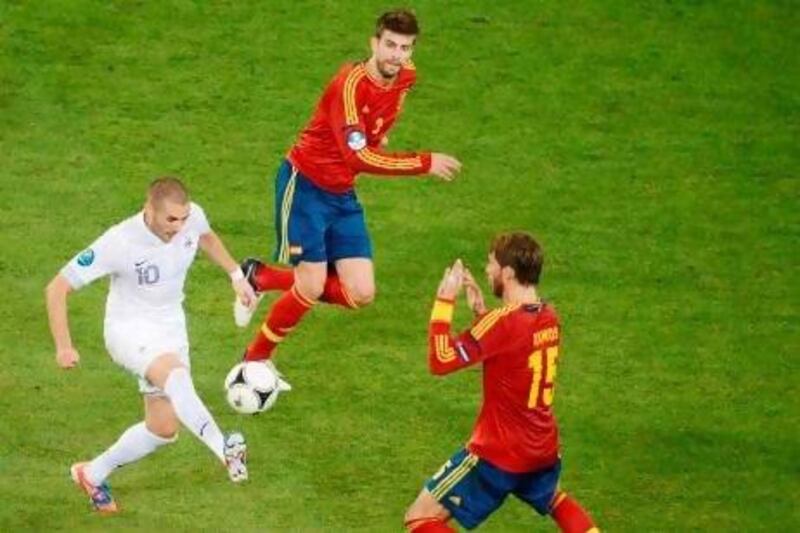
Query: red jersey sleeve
348, 126
486, 338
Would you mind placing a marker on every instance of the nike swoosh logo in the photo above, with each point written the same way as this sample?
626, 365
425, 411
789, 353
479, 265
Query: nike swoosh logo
202, 429
140, 263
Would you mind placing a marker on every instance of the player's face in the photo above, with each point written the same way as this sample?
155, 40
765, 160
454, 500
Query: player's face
167, 218
494, 274
391, 50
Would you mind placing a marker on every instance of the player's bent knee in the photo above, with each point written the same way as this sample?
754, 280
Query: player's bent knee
165, 431
310, 287
361, 294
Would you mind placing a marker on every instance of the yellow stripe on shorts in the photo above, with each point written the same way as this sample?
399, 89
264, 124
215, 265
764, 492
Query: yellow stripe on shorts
455, 476
286, 210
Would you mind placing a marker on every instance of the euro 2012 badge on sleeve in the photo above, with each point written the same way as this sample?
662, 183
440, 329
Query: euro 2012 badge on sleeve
86, 257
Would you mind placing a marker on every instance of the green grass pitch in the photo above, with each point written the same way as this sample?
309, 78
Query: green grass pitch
652, 146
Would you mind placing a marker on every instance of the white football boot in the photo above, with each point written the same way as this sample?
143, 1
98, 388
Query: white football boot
236, 457
242, 314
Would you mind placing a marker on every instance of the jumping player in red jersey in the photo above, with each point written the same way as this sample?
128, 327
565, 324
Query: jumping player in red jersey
514, 447
319, 221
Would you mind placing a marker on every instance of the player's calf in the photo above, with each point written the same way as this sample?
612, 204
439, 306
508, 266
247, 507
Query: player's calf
570, 516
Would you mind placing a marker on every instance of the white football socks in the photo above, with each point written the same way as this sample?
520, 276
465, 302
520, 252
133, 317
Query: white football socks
136, 443
191, 411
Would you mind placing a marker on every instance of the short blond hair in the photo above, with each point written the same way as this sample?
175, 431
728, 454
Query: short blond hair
167, 188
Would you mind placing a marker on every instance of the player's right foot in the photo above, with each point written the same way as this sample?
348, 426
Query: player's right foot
236, 457
99, 495
242, 314
283, 385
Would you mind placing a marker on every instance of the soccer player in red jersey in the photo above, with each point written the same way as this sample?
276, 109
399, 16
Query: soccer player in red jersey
319, 221
514, 447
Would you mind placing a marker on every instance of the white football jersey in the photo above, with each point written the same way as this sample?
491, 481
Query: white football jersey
147, 274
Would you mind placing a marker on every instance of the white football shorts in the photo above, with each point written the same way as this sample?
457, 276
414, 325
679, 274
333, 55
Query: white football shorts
134, 345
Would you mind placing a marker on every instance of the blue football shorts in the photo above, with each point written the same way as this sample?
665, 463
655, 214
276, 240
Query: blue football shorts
472, 488
315, 225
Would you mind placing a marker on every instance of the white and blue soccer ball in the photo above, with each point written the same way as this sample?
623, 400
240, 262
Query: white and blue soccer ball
252, 387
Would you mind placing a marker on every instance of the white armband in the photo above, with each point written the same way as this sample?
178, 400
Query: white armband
236, 275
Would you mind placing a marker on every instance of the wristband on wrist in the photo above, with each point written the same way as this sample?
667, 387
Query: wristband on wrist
442, 311
236, 275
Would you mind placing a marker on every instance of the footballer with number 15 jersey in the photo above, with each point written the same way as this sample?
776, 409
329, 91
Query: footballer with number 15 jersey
514, 447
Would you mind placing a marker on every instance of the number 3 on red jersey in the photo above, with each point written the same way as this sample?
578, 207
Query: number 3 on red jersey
544, 376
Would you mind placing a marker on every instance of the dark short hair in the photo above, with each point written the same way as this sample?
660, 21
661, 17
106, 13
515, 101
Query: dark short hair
520, 251
400, 21
167, 188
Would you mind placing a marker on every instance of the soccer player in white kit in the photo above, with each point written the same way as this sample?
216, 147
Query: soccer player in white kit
147, 257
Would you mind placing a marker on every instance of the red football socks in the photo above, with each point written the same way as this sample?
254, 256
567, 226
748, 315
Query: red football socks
273, 278
286, 312
570, 516
335, 293
428, 525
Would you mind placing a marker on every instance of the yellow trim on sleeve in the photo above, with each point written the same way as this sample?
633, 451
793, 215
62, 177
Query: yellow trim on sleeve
442, 311
490, 319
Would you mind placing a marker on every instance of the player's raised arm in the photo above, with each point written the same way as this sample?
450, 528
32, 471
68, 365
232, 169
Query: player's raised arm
445, 353
349, 127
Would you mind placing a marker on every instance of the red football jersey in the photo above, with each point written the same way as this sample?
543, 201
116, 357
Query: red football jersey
518, 345
345, 133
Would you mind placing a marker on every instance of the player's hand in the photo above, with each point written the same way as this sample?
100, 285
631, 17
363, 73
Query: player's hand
452, 281
245, 293
384, 141
444, 166
474, 293
67, 357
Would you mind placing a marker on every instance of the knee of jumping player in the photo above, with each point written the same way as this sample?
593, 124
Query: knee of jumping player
309, 282
361, 293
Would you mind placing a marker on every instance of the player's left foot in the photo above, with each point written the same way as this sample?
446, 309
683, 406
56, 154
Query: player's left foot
99, 495
236, 457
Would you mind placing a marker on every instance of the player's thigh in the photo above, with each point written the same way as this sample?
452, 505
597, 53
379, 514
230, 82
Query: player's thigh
347, 235
136, 344
159, 416
357, 274
537, 489
302, 217
469, 488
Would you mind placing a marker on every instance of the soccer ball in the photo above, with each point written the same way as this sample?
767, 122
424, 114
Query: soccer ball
252, 387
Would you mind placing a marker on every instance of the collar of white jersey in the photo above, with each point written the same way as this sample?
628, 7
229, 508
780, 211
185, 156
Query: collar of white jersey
147, 234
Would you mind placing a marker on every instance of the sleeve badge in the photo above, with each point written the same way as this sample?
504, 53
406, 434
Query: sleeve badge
356, 140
